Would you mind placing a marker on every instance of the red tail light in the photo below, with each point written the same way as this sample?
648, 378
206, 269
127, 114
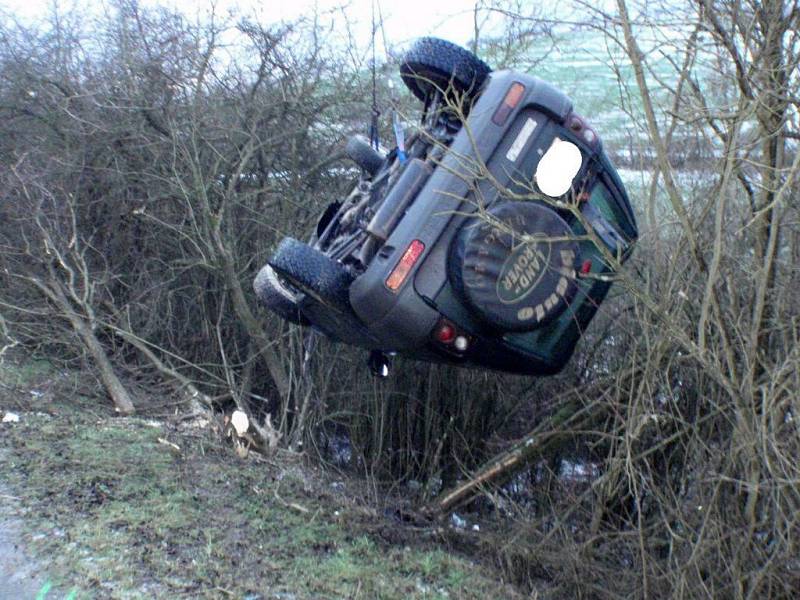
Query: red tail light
404, 265
446, 333
513, 96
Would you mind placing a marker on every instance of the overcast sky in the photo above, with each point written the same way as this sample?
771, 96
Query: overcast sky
403, 20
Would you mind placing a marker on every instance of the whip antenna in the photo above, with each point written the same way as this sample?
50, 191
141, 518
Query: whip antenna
373, 128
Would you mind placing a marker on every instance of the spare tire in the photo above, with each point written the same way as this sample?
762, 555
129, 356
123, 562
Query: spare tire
433, 63
515, 284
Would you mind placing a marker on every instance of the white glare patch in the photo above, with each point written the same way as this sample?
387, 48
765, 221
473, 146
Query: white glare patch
240, 421
10, 417
558, 168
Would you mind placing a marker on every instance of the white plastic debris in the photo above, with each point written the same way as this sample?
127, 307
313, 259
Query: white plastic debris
558, 168
476, 527
10, 417
457, 521
240, 422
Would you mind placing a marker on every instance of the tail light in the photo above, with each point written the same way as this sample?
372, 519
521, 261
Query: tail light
449, 336
404, 265
461, 343
445, 333
512, 98
580, 127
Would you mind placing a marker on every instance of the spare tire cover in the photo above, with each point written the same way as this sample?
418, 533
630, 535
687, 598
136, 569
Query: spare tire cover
516, 269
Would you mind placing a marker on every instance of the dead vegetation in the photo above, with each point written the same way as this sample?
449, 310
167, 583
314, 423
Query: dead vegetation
146, 181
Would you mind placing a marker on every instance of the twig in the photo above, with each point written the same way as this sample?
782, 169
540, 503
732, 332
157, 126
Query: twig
170, 444
293, 505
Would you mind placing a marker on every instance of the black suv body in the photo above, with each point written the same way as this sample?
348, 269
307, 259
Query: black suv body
463, 246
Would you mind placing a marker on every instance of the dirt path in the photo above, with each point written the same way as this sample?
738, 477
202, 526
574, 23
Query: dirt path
20, 577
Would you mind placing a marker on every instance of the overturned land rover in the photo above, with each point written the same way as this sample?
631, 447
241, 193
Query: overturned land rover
485, 238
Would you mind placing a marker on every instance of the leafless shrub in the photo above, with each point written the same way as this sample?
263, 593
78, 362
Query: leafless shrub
147, 172
693, 394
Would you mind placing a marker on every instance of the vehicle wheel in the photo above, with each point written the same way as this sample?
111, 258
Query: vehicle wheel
359, 150
273, 294
511, 283
433, 63
313, 273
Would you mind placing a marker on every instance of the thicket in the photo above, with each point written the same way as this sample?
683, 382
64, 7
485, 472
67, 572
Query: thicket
149, 165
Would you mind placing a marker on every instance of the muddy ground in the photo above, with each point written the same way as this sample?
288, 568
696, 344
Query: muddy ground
99, 506
21, 576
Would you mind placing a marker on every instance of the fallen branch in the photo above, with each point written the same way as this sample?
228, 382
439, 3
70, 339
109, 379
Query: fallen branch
502, 467
293, 505
199, 403
168, 443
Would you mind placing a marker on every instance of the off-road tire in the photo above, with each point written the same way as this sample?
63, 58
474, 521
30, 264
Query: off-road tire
313, 273
359, 150
433, 63
273, 294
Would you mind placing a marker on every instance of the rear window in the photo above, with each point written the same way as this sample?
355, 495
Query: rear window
608, 206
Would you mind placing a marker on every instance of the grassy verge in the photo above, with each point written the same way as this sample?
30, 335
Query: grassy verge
116, 512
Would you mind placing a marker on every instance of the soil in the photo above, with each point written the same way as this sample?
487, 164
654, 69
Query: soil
147, 507
20, 575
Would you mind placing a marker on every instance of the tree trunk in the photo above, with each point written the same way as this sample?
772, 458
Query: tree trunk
119, 395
